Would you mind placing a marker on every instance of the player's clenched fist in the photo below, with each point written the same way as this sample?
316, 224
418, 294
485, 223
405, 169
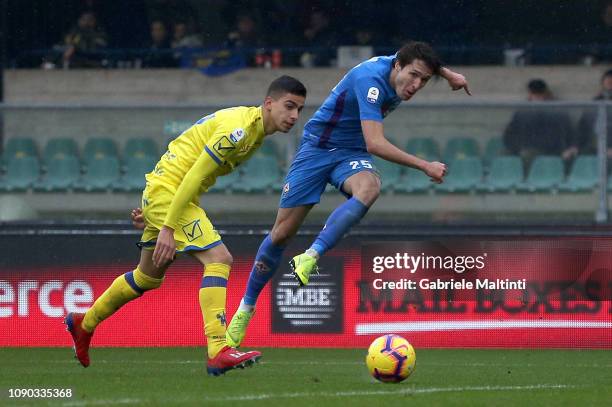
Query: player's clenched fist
436, 171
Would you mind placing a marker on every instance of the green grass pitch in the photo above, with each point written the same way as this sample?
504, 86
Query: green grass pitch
311, 377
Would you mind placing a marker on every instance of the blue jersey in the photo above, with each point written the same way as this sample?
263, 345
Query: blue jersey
363, 94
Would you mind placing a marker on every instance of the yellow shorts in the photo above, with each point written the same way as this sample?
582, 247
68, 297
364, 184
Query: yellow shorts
195, 232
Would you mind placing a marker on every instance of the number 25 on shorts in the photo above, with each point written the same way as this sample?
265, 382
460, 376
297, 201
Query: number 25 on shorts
360, 164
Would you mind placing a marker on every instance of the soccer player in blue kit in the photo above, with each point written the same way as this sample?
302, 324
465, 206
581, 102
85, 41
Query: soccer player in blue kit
337, 148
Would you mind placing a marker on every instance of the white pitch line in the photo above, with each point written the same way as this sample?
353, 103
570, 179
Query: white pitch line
427, 326
427, 390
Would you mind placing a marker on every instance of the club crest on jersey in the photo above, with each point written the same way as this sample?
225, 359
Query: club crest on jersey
237, 135
285, 188
373, 93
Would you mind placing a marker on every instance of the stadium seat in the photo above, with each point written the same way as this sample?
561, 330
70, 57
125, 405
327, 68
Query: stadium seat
584, 175
226, 183
134, 178
545, 174
101, 174
62, 173
505, 174
414, 181
460, 147
423, 147
258, 174
21, 173
269, 149
140, 147
99, 147
493, 149
464, 175
390, 173
59, 148
19, 147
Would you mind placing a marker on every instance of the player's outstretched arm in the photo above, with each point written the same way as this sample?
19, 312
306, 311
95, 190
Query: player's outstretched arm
455, 80
377, 144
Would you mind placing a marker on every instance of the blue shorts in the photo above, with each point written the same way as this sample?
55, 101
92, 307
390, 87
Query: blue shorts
314, 167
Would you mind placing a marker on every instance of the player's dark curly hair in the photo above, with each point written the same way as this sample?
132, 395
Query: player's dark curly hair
286, 84
419, 50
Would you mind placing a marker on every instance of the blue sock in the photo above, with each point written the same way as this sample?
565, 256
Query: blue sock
265, 265
338, 223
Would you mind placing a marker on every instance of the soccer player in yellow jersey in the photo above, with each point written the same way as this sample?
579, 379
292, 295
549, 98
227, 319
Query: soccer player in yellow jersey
175, 223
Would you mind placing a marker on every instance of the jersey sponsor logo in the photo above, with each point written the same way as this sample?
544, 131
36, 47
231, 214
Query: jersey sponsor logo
373, 93
224, 146
237, 135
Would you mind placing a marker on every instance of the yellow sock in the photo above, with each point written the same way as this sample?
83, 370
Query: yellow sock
124, 289
212, 302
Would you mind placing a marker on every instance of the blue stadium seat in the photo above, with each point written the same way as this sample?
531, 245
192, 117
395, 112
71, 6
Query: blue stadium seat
62, 173
460, 147
493, 149
59, 148
423, 147
465, 174
19, 147
101, 175
97, 148
505, 174
545, 174
390, 173
414, 181
21, 173
584, 175
258, 174
134, 178
140, 147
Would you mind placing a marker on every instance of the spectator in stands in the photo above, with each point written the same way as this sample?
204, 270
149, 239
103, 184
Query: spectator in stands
586, 138
245, 37
184, 36
537, 131
598, 34
83, 41
158, 55
320, 36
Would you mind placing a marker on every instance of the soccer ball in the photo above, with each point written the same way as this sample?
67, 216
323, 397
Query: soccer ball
391, 359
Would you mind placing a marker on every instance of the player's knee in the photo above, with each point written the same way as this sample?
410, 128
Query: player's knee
368, 192
280, 235
224, 257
